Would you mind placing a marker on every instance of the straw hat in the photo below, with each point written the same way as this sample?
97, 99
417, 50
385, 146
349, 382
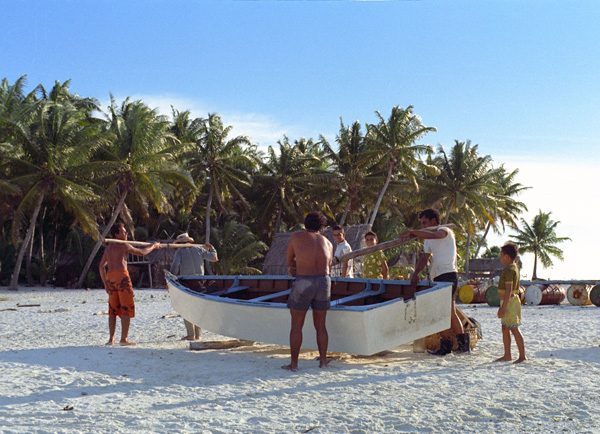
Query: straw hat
183, 238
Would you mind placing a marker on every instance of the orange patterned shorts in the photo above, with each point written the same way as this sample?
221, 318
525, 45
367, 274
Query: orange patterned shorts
120, 293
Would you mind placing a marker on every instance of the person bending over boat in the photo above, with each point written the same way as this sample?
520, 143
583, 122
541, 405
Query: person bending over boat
309, 256
440, 245
190, 262
118, 284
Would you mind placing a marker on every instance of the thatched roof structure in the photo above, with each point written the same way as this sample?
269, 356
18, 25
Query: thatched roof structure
275, 259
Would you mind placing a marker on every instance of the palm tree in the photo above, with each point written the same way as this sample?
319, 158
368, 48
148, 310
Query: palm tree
137, 165
55, 139
506, 208
539, 238
13, 102
396, 139
353, 164
463, 188
188, 131
184, 128
222, 162
465, 179
14, 105
237, 247
281, 184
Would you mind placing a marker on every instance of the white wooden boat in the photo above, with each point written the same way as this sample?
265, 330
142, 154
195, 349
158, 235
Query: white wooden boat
366, 316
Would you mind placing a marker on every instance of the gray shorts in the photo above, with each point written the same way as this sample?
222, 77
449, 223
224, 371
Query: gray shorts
310, 291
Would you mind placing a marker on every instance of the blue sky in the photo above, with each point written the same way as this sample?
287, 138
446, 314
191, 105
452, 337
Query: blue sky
518, 78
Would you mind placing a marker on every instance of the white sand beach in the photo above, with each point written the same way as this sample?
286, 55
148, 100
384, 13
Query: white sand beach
57, 376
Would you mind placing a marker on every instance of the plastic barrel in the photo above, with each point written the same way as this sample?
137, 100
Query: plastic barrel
491, 296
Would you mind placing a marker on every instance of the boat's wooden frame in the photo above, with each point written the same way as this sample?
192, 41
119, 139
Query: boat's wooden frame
367, 316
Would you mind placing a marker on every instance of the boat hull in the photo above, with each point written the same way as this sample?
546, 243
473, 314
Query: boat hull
363, 330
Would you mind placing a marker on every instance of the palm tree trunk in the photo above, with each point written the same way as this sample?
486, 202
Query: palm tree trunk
54, 260
343, 219
447, 216
480, 245
534, 277
380, 198
111, 222
278, 219
14, 281
208, 205
467, 256
28, 259
43, 268
159, 220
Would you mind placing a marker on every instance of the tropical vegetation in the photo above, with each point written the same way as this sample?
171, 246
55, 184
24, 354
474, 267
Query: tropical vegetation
69, 169
540, 238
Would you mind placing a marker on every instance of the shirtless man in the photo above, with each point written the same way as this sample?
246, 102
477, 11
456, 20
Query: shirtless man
118, 284
309, 258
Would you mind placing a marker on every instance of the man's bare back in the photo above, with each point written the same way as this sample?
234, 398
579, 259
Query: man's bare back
309, 254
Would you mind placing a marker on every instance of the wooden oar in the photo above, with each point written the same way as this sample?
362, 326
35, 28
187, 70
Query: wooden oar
145, 244
383, 246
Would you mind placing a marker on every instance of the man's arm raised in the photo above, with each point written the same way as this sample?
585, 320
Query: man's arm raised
144, 251
424, 234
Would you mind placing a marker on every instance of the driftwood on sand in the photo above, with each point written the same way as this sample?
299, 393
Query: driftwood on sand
220, 345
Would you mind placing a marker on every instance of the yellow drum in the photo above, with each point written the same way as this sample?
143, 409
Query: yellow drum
471, 293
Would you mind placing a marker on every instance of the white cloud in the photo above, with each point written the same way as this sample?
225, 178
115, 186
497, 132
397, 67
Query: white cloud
264, 130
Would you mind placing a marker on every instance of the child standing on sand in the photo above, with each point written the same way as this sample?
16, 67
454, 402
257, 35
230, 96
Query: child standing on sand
510, 304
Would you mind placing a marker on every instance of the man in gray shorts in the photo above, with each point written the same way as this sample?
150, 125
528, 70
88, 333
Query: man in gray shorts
310, 291
309, 258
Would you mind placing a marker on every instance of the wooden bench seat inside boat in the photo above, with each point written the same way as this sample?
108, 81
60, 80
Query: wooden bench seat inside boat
347, 292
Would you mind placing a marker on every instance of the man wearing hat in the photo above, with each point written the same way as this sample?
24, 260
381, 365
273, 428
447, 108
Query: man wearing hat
189, 262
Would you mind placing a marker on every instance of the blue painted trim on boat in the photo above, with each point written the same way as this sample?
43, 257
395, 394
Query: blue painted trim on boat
175, 282
560, 282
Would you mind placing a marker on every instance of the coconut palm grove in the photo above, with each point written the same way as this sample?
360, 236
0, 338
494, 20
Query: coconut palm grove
70, 169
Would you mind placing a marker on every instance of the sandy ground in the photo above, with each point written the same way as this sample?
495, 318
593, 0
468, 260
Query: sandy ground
57, 376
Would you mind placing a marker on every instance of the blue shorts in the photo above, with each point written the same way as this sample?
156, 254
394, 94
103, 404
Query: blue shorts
310, 291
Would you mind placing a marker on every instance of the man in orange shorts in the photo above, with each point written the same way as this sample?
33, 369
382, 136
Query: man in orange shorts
118, 284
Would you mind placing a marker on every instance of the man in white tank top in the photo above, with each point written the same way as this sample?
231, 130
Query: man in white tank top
440, 246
